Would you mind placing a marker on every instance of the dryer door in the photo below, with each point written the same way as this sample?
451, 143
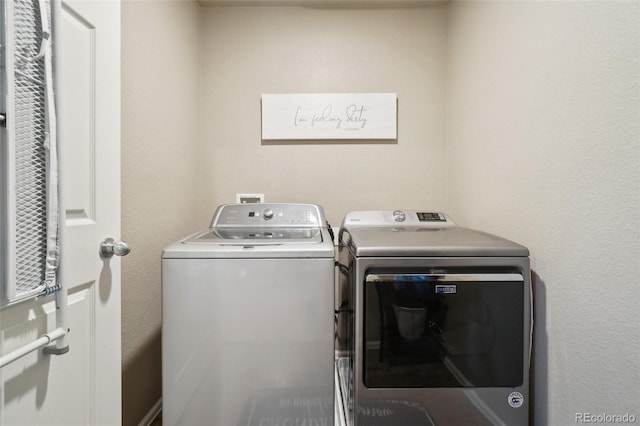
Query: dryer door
443, 329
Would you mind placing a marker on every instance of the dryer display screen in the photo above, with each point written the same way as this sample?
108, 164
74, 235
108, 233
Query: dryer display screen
431, 217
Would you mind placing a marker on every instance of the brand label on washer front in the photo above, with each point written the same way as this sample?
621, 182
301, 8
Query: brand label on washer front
446, 289
516, 399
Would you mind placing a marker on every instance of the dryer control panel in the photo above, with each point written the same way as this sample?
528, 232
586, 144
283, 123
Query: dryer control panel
268, 214
422, 219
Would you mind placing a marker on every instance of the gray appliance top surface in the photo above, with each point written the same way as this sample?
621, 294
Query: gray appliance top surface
382, 239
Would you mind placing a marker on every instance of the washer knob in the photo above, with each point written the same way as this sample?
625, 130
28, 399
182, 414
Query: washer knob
399, 216
267, 214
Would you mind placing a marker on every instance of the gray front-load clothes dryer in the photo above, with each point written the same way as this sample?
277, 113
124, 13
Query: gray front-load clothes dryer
248, 330
434, 322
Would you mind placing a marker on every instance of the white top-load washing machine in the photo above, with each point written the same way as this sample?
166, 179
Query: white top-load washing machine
434, 322
248, 328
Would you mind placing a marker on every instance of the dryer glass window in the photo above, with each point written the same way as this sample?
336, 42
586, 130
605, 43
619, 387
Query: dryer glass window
443, 329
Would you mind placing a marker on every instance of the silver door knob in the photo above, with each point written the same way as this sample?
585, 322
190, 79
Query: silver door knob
109, 247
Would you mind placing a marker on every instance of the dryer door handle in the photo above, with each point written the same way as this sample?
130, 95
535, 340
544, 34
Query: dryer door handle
417, 278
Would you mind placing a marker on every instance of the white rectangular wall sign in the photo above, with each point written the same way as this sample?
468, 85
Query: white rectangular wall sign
329, 116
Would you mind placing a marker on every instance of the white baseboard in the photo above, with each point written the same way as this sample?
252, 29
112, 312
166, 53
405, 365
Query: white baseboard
152, 414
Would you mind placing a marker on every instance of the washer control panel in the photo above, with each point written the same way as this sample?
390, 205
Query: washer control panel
271, 214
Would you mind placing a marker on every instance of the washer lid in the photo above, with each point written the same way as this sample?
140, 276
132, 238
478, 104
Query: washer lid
206, 244
257, 236
259, 231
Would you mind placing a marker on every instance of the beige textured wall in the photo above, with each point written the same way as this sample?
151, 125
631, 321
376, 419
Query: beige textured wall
250, 51
160, 116
170, 94
544, 148
519, 118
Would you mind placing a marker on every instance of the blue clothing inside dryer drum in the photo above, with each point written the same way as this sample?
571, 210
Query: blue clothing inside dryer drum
412, 290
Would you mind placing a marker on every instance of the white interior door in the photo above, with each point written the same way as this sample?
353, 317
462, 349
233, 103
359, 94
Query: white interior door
82, 387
